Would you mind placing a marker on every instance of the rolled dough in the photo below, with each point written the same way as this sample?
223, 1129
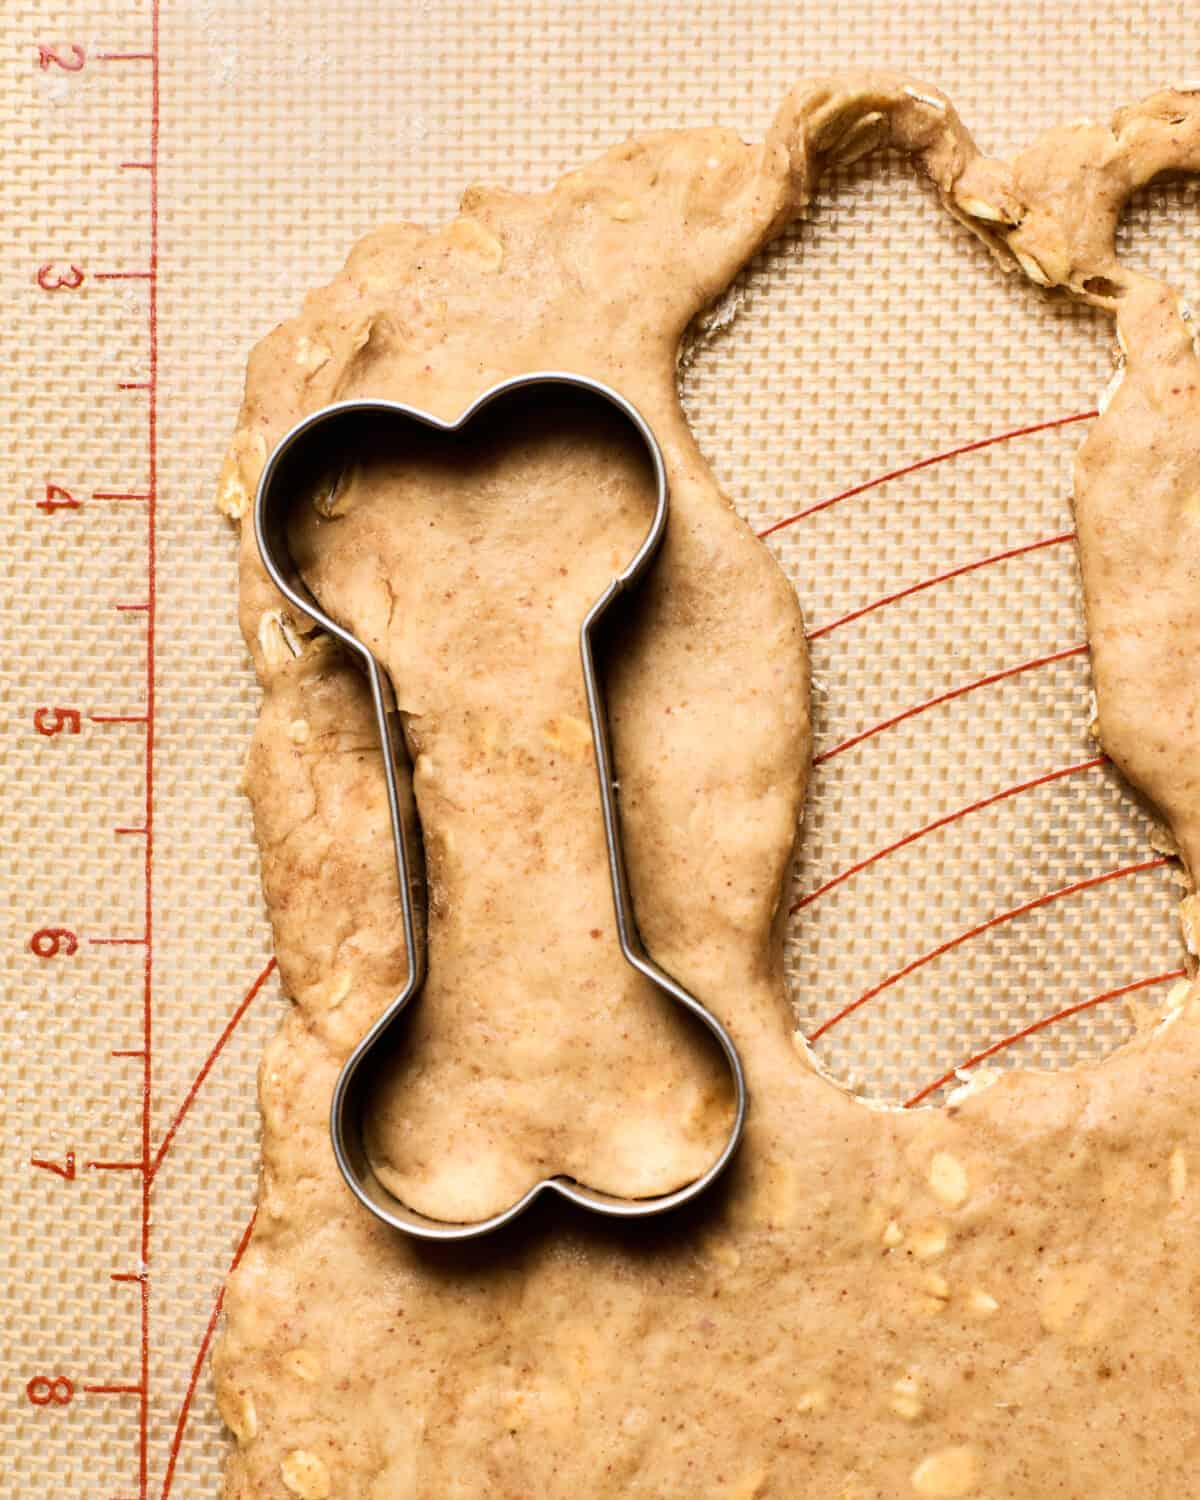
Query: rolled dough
998, 1298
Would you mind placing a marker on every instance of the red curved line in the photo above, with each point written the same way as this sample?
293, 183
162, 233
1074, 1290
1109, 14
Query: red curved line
198, 1081
925, 463
946, 697
962, 812
186, 1404
928, 583
996, 921
1026, 1031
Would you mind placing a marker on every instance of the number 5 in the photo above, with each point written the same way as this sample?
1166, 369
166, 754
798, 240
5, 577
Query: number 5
52, 721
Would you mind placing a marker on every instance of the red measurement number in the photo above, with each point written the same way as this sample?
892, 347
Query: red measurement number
49, 942
64, 1169
51, 280
50, 1390
70, 58
58, 499
52, 721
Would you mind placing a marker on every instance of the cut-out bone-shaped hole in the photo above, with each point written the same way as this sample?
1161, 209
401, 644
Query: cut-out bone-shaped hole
451, 1168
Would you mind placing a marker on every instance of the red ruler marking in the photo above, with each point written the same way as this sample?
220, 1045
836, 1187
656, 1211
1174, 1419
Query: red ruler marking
185, 1405
943, 822
1027, 1031
148, 820
998, 920
925, 463
894, 597
198, 1081
928, 583
919, 708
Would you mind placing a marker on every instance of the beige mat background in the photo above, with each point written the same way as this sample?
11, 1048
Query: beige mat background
874, 336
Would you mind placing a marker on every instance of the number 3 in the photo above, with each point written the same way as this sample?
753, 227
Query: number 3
51, 280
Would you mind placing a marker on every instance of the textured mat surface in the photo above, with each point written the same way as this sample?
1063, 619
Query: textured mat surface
872, 338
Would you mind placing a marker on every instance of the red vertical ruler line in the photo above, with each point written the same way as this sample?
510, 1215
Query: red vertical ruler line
151, 631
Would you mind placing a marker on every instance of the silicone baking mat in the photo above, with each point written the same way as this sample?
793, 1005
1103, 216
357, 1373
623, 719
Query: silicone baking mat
176, 175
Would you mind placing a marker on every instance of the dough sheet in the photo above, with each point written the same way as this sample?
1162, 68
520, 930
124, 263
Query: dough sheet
935, 1275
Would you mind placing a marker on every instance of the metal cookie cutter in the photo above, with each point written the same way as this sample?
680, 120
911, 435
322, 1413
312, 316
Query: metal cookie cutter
298, 455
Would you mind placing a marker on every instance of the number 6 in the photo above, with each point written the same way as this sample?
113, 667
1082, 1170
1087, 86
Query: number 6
48, 942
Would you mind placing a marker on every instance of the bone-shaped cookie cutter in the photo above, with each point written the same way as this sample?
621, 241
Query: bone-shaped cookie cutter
297, 456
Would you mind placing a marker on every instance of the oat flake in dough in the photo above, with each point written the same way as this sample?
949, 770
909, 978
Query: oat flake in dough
997, 1299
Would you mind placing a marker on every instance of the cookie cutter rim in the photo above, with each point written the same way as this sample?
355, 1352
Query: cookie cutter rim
346, 1115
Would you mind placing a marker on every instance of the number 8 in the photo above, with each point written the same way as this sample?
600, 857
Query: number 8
50, 1390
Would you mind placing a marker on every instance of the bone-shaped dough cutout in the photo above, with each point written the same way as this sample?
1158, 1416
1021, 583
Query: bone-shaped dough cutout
496, 1078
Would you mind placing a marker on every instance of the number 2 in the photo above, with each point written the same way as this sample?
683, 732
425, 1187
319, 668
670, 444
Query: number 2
55, 56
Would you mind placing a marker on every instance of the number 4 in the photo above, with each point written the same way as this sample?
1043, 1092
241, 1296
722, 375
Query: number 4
58, 499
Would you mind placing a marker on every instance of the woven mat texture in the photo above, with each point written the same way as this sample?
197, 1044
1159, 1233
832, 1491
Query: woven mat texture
872, 337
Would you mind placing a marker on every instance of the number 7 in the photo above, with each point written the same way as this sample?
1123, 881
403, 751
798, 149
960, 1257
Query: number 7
66, 1169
